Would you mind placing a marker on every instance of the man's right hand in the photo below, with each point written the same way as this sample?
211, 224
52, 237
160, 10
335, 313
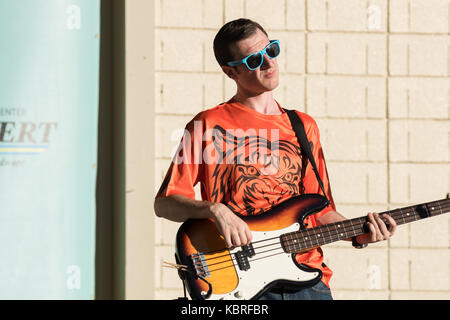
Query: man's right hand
179, 208
235, 231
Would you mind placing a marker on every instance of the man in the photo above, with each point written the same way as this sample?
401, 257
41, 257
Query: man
242, 170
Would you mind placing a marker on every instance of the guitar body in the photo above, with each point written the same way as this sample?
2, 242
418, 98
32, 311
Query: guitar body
216, 272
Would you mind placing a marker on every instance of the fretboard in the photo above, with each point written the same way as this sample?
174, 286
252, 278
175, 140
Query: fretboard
314, 237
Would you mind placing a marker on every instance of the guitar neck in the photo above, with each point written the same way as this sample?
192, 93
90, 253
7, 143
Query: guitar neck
314, 237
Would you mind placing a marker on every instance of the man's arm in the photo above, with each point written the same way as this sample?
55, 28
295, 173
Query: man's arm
377, 227
179, 208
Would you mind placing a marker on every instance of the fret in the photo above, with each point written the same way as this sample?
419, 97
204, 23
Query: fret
308, 237
342, 231
428, 211
293, 241
403, 217
318, 237
329, 232
353, 231
289, 247
303, 242
351, 224
440, 208
337, 225
336, 232
298, 241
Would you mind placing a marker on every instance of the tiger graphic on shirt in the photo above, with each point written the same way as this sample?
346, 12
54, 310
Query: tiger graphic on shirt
254, 173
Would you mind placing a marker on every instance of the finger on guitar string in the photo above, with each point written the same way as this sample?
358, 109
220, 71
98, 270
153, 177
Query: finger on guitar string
235, 230
237, 239
391, 223
378, 226
384, 233
249, 235
244, 234
371, 225
374, 229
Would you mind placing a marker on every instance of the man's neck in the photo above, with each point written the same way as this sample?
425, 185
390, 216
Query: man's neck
263, 103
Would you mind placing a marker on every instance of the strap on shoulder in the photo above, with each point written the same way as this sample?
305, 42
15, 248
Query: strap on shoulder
299, 130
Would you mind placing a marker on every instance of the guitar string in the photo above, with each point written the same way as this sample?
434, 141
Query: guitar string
304, 248
259, 258
409, 218
399, 215
310, 231
277, 242
307, 232
233, 265
232, 258
324, 240
392, 213
330, 236
334, 237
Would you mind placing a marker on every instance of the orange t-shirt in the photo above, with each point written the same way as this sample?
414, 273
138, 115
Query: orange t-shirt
249, 161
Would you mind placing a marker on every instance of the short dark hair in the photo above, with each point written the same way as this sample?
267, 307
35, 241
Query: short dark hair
230, 33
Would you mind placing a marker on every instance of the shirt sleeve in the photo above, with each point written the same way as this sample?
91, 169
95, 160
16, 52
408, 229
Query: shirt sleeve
310, 180
184, 171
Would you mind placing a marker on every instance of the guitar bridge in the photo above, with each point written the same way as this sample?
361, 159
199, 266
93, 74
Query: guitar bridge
200, 264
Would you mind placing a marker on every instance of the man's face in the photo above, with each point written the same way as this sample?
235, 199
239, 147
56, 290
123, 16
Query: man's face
257, 81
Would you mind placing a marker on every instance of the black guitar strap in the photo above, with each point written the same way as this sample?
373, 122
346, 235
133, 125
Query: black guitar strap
299, 130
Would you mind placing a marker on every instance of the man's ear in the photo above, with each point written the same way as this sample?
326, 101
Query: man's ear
231, 72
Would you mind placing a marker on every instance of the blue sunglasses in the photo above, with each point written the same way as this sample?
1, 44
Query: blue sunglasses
255, 60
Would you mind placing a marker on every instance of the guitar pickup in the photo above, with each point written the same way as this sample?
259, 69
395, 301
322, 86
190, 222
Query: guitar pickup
248, 250
242, 260
243, 255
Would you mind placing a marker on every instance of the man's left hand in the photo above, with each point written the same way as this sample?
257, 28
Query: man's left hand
378, 231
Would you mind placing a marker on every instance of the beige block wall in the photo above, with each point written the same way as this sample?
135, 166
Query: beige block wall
375, 76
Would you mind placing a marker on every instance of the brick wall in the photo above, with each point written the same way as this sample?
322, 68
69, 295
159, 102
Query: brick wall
374, 75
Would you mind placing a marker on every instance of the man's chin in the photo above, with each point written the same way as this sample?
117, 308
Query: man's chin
265, 86
271, 85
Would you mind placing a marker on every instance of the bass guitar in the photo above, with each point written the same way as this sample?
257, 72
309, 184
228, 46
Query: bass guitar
210, 270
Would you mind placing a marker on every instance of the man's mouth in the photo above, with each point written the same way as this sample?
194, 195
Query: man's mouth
270, 74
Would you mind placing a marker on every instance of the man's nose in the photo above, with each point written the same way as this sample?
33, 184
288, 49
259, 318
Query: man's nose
267, 62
